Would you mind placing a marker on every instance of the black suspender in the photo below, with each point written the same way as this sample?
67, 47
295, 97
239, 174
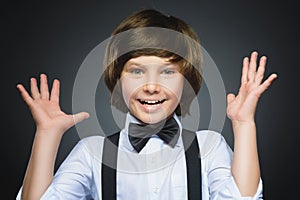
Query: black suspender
109, 165
192, 157
193, 164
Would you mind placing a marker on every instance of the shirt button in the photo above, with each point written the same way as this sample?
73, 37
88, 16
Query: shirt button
155, 190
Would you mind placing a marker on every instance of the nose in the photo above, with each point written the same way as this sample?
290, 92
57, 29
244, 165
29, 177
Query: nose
151, 88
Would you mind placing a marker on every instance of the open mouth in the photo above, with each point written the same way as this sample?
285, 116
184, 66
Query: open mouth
151, 102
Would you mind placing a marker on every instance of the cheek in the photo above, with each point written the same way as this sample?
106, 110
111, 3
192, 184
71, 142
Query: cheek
175, 86
128, 89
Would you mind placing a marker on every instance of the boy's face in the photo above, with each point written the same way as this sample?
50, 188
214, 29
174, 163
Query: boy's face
151, 87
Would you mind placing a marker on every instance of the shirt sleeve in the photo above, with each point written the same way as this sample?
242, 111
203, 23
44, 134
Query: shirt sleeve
219, 177
73, 179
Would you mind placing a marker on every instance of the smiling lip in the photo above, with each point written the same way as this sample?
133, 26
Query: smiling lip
151, 102
151, 105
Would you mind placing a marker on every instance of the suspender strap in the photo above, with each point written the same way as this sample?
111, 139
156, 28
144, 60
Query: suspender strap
193, 164
192, 157
109, 165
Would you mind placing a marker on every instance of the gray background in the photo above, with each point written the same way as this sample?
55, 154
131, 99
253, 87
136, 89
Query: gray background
54, 38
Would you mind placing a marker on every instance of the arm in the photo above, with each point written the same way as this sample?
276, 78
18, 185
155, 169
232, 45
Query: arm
241, 110
51, 123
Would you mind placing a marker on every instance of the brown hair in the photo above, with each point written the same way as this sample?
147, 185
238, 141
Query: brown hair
187, 52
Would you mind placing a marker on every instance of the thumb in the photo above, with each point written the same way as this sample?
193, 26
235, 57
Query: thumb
80, 117
230, 98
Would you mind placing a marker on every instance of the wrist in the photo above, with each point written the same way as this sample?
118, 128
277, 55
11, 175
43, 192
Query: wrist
49, 134
45, 145
243, 128
243, 122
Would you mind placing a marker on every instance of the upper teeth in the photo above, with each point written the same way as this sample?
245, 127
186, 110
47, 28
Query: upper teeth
151, 101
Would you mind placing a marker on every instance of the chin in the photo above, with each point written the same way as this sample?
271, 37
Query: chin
152, 118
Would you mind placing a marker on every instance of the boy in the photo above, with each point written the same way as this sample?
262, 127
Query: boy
152, 159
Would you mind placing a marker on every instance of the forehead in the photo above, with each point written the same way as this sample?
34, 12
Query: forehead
146, 60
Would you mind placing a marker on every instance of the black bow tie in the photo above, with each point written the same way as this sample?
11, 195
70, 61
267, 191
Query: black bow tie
139, 134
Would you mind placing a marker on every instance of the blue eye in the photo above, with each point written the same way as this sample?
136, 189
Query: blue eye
136, 71
168, 71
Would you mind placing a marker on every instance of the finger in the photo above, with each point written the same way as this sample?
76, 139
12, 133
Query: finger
80, 117
44, 87
245, 69
34, 89
55, 91
26, 97
266, 84
76, 118
261, 70
252, 66
230, 98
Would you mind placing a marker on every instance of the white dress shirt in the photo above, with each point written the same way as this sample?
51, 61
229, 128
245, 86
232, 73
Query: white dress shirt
157, 172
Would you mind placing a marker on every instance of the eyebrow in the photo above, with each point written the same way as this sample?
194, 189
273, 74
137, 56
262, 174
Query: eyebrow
142, 65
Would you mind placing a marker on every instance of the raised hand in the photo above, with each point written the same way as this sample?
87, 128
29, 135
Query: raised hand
242, 107
45, 109
241, 110
51, 123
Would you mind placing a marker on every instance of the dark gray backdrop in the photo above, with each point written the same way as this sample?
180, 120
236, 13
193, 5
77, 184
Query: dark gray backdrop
54, 38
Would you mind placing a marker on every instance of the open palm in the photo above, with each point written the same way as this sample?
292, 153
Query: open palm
45, 108
242, 106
